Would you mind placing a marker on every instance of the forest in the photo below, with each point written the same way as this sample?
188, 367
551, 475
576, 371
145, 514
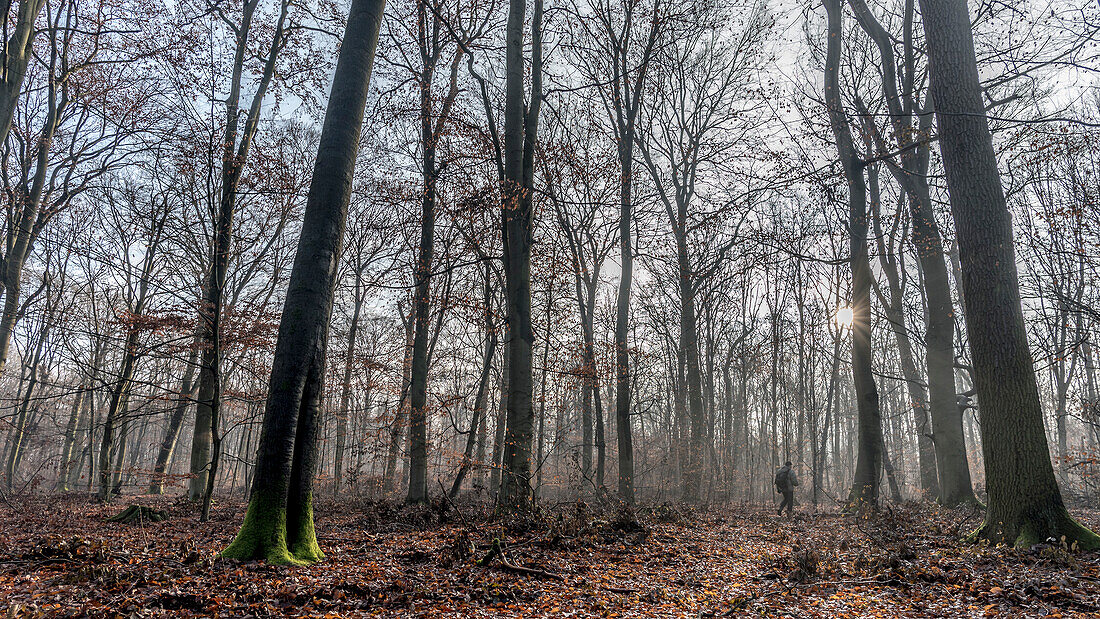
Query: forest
550, 308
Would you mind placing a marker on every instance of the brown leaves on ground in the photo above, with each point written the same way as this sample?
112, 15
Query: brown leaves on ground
60, 558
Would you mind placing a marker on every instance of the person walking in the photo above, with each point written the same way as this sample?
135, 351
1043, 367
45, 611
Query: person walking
785, 481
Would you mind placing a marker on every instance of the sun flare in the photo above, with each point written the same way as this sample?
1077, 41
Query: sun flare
844, 317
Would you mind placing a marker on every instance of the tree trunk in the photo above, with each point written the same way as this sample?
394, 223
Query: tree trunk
418, 391
115, 412
895, 314
278, 525
1025, 505
234, 155
520, 137
70, 465
17, 53
18, 438
397, 431
869, 461
501, 421
947, 435
689, 350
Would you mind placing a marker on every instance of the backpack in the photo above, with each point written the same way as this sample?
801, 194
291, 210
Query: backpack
782, 479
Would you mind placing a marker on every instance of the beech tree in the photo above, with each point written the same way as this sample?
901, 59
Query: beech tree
278, 525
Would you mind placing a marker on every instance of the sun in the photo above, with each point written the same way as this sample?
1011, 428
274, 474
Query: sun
844, 317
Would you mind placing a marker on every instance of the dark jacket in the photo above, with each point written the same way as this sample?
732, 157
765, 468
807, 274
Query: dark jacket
785, 480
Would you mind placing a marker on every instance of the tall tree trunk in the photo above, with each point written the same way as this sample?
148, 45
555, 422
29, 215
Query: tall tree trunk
895, 314
912, 174
586, 301
1025, 505
418, 391
689, 350
208, 405
865, 487
520, 138
278, 525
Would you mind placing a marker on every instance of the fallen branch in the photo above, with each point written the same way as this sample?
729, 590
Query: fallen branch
498, 553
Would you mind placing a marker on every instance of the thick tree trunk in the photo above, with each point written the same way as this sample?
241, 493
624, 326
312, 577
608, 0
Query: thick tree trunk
689, 349
278, 525
622, 301
1025, 505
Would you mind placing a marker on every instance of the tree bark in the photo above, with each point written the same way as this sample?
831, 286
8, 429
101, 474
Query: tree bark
278, 525
1025, 504
520, 137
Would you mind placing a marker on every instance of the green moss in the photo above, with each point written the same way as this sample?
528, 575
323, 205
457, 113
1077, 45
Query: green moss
304, 546
1055, 523
262, 535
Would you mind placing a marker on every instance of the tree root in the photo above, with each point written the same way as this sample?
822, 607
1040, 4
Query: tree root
139, 514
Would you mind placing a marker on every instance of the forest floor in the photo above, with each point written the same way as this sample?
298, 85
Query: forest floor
59, 557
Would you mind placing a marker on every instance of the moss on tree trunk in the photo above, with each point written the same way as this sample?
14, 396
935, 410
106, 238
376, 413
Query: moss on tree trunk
263, 534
